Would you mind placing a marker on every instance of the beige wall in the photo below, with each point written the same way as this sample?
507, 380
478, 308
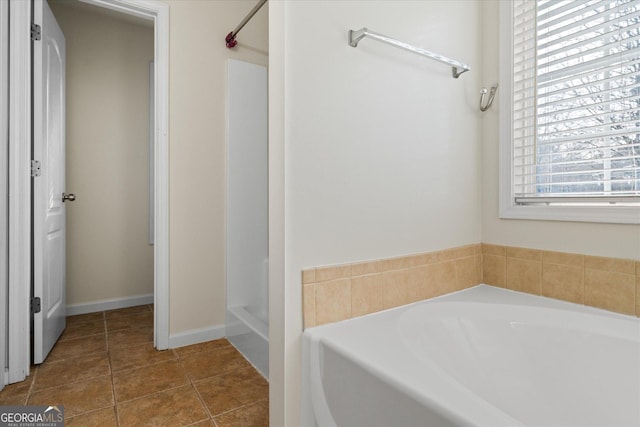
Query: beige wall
107, 69
197, 151
608, 240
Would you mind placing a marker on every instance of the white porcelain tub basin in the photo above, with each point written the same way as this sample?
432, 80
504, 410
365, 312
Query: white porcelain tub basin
480, 357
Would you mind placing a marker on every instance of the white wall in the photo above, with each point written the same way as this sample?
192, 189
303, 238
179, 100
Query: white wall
611, 240
381, 146
384, 143
108, 255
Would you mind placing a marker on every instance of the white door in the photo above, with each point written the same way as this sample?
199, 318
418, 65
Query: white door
48, 188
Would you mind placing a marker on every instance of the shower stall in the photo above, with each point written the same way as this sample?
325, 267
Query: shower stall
247, 314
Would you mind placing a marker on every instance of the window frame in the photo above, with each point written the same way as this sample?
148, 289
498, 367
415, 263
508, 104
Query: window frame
509, 209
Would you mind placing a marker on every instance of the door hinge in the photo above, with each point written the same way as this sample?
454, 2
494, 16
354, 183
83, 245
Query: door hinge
35, 168
36, 307
36, 32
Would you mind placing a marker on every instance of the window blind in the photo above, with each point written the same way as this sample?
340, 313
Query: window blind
576, 101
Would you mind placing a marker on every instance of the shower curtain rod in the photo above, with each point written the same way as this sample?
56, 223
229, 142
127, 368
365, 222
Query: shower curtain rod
231, 37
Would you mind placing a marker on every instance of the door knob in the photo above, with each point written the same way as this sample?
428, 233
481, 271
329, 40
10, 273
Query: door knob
70, 197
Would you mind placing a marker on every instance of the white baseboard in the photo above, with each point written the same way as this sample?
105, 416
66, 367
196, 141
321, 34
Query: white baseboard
109, 304
195, 336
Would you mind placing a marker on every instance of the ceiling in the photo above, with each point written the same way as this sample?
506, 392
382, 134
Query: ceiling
77, 4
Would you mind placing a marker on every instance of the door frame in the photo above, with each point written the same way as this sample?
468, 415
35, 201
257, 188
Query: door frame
19, 216
4, 178
20, 179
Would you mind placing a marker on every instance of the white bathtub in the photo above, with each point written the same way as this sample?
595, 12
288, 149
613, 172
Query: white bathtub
480, 357
248, 331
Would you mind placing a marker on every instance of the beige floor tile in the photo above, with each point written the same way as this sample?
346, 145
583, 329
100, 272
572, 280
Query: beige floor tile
254, 415
135, 320
83, 329
87, 317
78, 347
176, 407
231, 390
138, 356
101, 418
126, 311
135, 383
130, 337
209, 363
77, 398
13, 399
204, 346
152, 387
205, 423
55, 374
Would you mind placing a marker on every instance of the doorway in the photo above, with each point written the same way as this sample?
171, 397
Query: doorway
19, 207
109, 256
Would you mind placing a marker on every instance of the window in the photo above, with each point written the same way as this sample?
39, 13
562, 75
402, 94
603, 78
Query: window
571, 135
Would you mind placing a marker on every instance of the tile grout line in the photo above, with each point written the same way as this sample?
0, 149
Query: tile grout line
152, 394
121, 371
32, 385
68, 383
113, 386
84, 379
202, 402
198, 352
193, 383
115, 400
243, 406
115, 403
36, 375
88, 412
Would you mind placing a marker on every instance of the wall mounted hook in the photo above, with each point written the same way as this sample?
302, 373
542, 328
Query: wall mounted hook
492, 95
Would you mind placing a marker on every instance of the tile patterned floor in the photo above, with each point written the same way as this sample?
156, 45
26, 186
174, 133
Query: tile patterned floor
105, 372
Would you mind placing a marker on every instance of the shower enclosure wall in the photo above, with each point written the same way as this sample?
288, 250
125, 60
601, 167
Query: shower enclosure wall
247, 317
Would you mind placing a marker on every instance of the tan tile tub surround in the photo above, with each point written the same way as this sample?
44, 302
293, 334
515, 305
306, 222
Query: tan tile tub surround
341, 292
609, 283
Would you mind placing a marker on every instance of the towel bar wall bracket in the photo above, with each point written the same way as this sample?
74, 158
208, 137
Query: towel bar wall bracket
457, 67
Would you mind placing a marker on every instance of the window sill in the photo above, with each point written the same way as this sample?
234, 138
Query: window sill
600, 214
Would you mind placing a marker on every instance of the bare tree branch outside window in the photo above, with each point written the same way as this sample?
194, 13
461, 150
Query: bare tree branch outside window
587, 98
